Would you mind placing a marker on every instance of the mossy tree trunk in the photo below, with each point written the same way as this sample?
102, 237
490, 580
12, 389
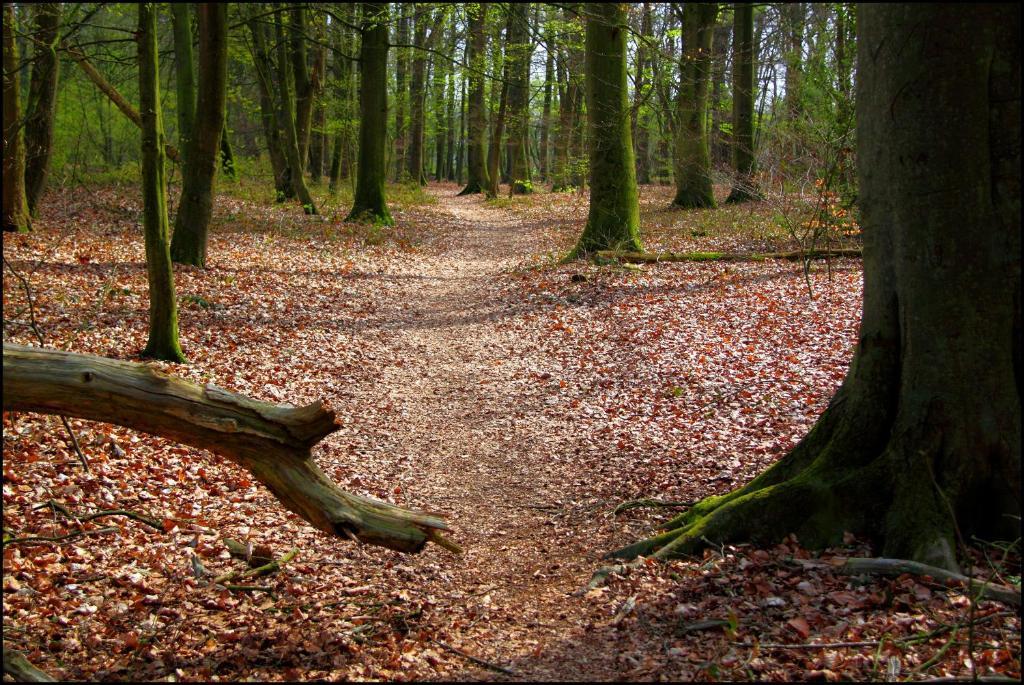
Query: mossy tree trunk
743, 187
641, 94
15, 204
692, 153
192, 223
42, 102
370, 204
477, 60
924, 436
614, 219
163, 307
263, 63
286, 119
184, 74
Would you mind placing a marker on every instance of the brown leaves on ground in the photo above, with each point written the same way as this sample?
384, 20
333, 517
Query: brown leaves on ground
472, 377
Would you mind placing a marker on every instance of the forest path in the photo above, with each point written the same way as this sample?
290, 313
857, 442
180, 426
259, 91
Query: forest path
479, 447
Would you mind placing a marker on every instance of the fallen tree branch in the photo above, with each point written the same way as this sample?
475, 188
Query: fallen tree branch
59, 538
22, 670
271, 441
638, 503
654, 257
113, 95
141, 518
476, 660
259, 570
897, 567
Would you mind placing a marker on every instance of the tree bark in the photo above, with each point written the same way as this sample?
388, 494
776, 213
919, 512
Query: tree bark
744, 188
317, 135
692, 155
498, 121
42, 103
518, 55
476, 105
227, 154
567, 151
163, 308
922, 442
369, 204
342, 95
402, 92
303, 85
640, 96
192, 223
286, 120
794, 18
268, 109
417, 89
16, 216
273, 442
614, 219
184, 74
545, 122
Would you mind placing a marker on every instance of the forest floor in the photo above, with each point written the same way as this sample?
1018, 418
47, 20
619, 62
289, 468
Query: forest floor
475, 377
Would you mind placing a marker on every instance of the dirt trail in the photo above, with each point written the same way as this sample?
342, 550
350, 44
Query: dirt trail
479, 445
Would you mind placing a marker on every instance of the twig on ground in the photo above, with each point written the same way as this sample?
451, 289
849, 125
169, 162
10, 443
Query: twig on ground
476, 660
141, 518
59, 538
258, 571
638, 503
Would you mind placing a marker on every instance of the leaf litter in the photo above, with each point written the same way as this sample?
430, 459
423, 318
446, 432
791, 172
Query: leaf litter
475, 377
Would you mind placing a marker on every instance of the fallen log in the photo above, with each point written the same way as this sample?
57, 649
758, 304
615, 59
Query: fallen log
654, 257
272, 441
22, 670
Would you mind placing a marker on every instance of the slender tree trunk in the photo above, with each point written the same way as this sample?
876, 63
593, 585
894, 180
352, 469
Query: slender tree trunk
794, 19
227, 155
192, 223
163, 309
545, 122
370, 204
402, 90
568, 151
416, 97
744, 187
297, 29
720, 144
520, 48
614, 219
449, 158
692, 156
640, 115
317, 137
268, 110
42, 102
440, 130
286, 120
341, 94
15, 204
494, 149
184, 74
922, 442
460, 155
477, 148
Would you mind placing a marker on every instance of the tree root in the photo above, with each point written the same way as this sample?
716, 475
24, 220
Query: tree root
655, 257
897, 567
22, 670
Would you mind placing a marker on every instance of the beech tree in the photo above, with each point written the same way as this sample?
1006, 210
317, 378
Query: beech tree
15, 204
369, 204
202, 143
163, 309
614, 219
743, 187
517, 55
42, 101
476, 59
922, 442
692, 153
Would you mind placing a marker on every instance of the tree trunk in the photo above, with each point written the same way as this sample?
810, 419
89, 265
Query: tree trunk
268, 109
369, 204
184, 74
922, 443
273, 442
545, 122
192, 223
720, 143
227, 155
297, 29
794, 19
614, 219
494, 149
342, 95
641, 94
449, 157
402, 92
692, 156
317, 135
566, 153
518, 53
42, 103
163, 307
417, 89
15, 204
476, 154
286, 120
744, 187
